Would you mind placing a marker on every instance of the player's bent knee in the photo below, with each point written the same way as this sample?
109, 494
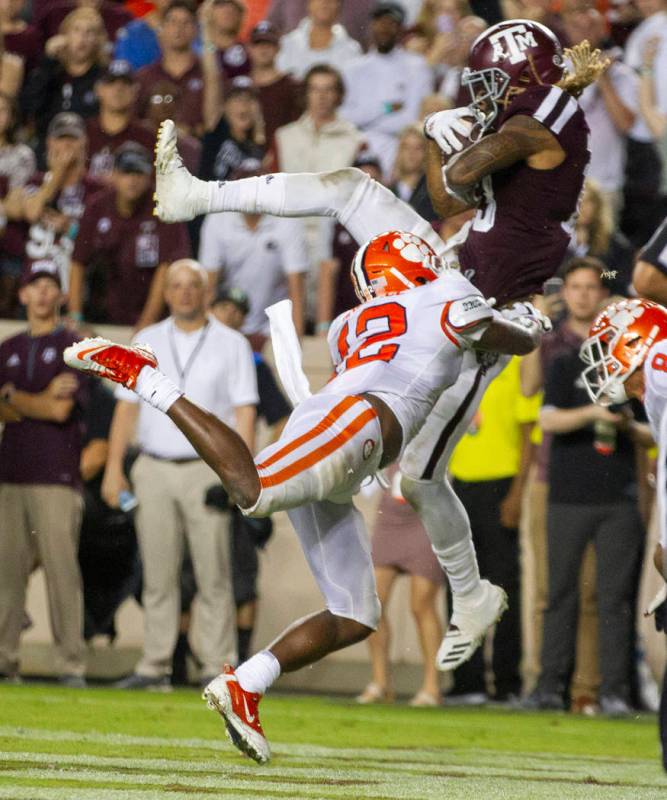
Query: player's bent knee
351, 631
361, 621
416, 491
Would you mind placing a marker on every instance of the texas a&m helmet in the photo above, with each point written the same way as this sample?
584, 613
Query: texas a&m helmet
506, 59
616, 347
393, 262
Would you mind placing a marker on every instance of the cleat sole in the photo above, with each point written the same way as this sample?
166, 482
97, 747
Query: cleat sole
235, 733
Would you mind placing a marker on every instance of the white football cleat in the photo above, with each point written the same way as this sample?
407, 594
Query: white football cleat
468, 625
179, 196
240, 711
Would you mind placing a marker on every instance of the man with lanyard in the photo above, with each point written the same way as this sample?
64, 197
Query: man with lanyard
215, 364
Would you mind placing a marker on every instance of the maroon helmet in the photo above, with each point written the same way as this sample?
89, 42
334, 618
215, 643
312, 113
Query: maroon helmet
506, 59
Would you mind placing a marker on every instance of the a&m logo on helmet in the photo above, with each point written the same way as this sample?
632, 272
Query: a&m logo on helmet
510, 44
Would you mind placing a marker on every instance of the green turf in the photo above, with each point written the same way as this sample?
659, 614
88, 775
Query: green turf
101, 744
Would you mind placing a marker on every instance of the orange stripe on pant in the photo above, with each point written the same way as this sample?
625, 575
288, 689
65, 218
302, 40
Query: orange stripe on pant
320, 453
335, 413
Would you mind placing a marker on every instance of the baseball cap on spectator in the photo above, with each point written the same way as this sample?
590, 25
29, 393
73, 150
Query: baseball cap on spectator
118, 70
42, 268
241, 84
265, 31
67, 123
367, 160
132, 157
395, 10
233, 295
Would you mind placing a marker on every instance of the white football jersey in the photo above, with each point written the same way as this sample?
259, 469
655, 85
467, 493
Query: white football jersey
655, 400
407, 348
655, 382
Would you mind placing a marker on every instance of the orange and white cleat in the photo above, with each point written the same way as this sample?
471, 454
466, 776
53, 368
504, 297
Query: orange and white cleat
240, 711
117, 362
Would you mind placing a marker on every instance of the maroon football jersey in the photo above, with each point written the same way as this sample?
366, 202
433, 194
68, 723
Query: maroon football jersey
522, 228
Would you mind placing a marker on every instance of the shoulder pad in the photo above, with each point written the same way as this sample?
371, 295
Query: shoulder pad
468, 313
550, 105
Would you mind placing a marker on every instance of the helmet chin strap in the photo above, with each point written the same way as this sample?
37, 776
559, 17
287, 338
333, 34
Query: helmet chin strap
479, 125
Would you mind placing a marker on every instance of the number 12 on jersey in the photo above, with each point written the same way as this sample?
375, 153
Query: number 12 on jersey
374, 325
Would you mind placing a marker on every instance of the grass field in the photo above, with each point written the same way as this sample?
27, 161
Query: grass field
101, 744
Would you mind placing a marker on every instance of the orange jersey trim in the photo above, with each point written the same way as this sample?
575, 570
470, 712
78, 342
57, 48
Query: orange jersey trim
444, 324
335, 414
320, 453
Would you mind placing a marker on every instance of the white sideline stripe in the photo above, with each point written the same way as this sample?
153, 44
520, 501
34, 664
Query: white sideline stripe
396, 786
297, 751
148, 765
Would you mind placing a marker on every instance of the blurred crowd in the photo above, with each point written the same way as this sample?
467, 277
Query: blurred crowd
256, 86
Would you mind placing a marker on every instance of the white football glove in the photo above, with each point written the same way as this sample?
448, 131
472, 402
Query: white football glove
527, 315
445, 127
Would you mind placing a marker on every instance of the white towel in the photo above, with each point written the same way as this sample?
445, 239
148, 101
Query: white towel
287, 352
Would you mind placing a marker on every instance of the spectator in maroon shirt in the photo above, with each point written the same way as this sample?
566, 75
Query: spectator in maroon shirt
224, 19
199, 108
279, 94
65, 79
21, 38
41, 403
49, 19
17, 165
122, 251
236, 142
50, 205
165, 97
11, 72
116, 91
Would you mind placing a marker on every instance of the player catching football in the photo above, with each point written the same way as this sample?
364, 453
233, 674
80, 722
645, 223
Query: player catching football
394, 354
524, 175
626, 354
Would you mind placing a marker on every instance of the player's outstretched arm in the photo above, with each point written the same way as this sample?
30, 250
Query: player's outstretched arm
511, 338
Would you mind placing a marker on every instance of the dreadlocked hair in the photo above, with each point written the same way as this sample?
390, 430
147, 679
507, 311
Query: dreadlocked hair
587, 66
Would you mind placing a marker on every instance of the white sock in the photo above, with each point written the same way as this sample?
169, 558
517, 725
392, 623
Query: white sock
258, 673
157, 389
459, 561
261, 195
446, 522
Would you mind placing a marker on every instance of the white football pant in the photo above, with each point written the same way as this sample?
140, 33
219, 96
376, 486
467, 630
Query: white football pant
329, 447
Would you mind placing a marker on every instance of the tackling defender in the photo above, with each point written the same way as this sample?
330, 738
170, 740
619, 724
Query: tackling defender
524, 175
626, 354
394, 354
